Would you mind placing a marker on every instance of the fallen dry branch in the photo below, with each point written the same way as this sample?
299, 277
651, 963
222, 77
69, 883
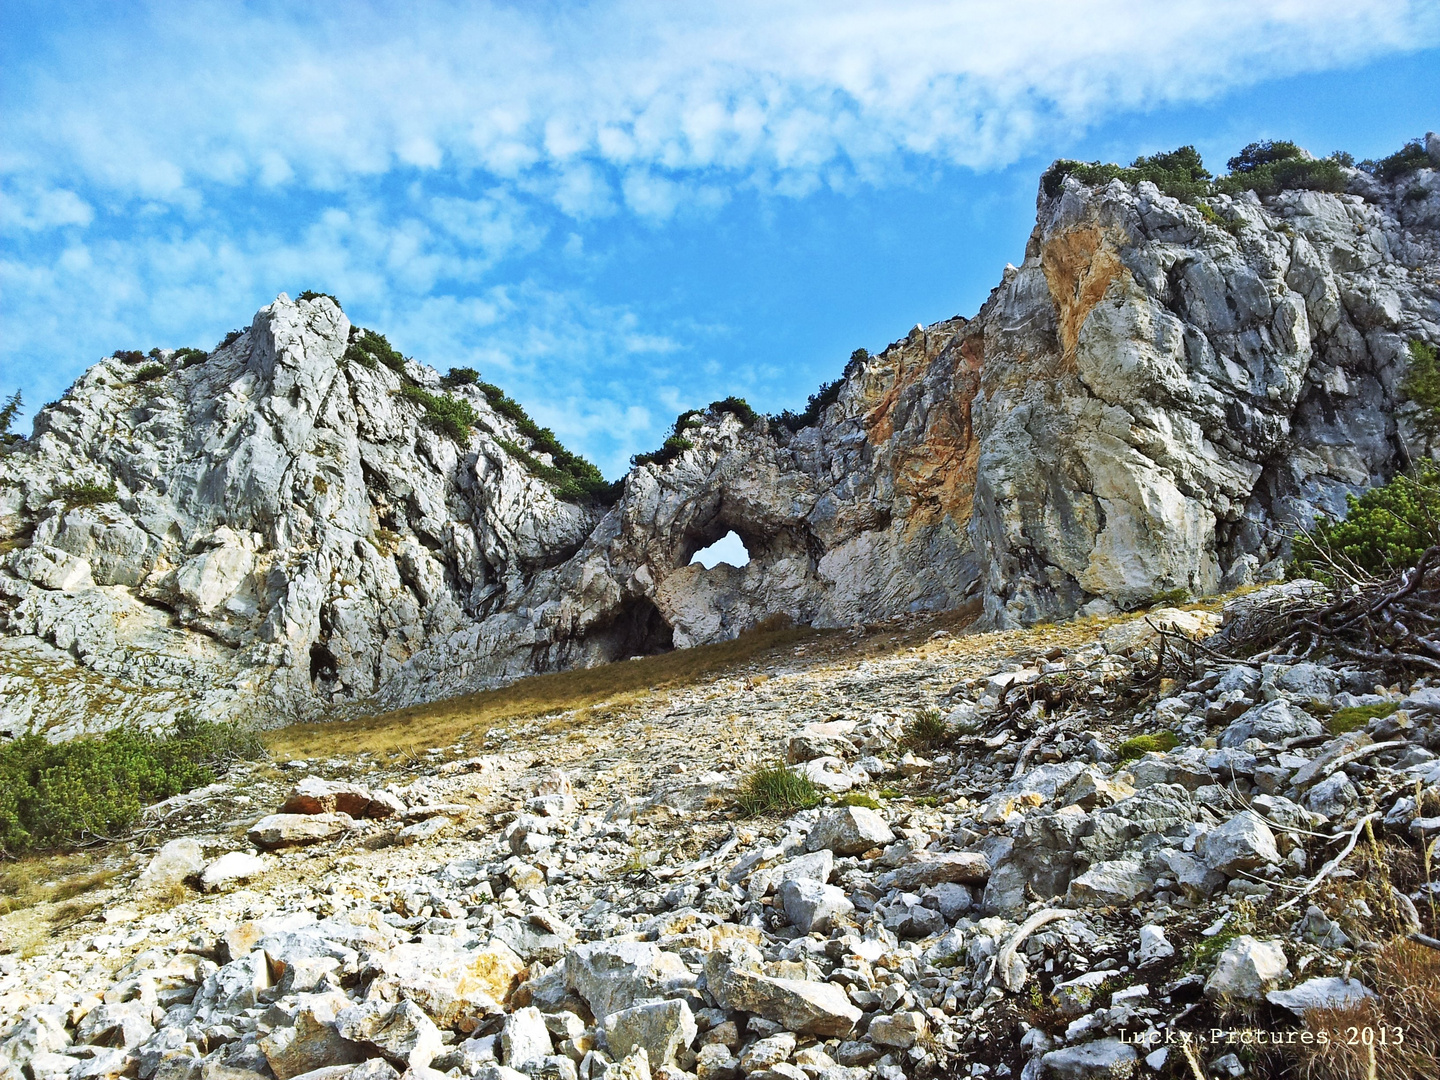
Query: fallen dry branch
1006, 955
1392, 623
1331, 866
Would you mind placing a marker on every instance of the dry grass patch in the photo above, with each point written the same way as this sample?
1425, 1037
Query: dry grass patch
51, 879
610, 685
1396, 1037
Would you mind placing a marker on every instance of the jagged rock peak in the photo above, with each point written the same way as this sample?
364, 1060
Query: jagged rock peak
1144, 405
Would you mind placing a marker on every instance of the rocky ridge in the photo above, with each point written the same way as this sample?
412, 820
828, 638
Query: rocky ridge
1146, 404
553, 901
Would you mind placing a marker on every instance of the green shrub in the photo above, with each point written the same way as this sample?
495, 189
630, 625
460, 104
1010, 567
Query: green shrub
188, 357
129, 356
736, 407
1258, 155
1422, 385
460, 376
1234, 226
1159, 743
86, 494
57, 795
776, 787
1385, 530
1409, 158
572, 477
1268, 168
822, 399
370, 349
675, 445
672, 448
566, 485
926, 731
229, 339
1178, 173
859, 798
1357, 716
450, 416
151, 371
311, 294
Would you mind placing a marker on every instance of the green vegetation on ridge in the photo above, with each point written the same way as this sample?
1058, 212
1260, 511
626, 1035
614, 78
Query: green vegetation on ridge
1266, 167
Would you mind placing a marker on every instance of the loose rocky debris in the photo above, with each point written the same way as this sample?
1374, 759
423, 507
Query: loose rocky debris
1028, 899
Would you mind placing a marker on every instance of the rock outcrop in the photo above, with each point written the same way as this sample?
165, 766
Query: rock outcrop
1144, 405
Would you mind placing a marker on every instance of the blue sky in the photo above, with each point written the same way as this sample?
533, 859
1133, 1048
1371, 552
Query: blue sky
622, 208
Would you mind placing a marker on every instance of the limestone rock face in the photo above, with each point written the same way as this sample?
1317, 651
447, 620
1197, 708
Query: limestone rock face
1143, 405
1156, 389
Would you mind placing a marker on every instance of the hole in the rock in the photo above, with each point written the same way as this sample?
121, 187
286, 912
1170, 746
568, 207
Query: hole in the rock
638, 630
323, 664
728, 549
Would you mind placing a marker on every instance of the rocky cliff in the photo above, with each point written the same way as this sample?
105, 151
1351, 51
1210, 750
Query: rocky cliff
1144, 405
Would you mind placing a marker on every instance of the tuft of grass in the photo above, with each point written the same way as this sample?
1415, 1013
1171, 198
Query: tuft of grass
37, 879
1140, 745
776, 787
926, 731
1357, 716
1231, 225
859, 798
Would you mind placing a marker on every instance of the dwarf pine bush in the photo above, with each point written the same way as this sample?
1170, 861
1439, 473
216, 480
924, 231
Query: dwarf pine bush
450, 416
371, 350
1179, 173
1384, 530
1422, 385
57, 795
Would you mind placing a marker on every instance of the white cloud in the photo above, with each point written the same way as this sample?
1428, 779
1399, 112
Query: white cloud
165, 166
31, 208
792, 94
